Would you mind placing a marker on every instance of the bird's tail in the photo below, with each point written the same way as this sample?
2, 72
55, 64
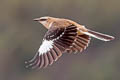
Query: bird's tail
99, 36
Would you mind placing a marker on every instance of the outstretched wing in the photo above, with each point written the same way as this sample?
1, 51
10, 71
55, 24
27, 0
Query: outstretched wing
55, 42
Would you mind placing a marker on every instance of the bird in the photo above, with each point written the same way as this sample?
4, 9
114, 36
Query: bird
63, 36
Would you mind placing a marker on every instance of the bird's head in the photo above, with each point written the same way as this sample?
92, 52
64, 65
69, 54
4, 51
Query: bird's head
46, 21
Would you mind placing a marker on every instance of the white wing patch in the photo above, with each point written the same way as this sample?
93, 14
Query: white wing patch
45, 47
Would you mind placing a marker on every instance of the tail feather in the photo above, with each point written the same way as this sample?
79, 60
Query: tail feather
98, 35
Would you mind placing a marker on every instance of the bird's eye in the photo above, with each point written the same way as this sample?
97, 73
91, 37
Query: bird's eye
43, 19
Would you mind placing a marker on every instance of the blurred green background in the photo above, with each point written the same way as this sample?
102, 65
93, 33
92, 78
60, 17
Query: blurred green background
20, 38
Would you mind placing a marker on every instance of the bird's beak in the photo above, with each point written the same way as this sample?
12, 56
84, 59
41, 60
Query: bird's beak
36, 19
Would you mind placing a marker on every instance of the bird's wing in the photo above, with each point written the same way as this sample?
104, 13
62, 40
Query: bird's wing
80, 43
55, 42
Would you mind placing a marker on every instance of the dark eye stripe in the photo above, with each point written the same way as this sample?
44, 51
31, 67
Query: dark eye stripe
43, 19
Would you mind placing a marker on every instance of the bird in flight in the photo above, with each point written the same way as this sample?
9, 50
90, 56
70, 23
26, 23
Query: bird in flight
63, 36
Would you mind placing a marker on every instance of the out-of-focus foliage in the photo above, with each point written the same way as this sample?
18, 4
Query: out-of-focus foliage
20, 38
